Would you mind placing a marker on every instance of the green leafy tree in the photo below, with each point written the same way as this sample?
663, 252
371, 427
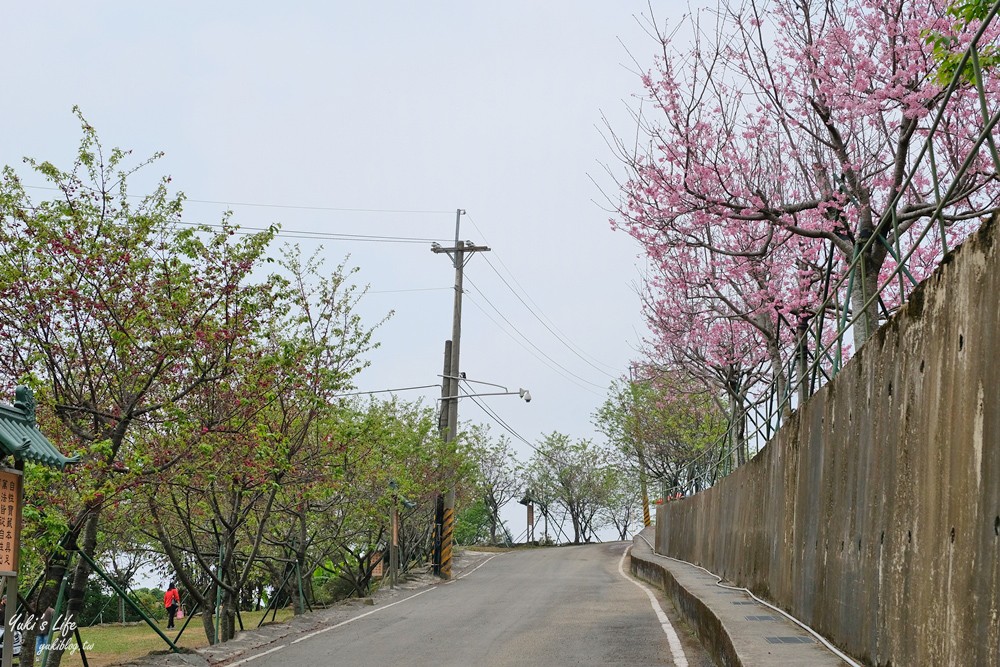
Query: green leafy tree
663, 426
472, 526
127, 317
499, 474
260, 452
573, 476
622, 500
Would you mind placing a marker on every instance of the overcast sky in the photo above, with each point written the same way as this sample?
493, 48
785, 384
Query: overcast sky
408, 110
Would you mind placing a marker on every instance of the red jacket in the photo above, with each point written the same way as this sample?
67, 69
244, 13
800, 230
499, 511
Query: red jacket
171, 597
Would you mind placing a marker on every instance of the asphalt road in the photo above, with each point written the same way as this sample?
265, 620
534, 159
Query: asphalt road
559, 606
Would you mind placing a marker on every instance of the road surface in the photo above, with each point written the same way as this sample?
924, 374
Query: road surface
558, 606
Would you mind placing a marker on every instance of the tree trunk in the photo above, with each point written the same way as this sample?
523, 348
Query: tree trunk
227, 620
864, 287
78, 585
208, 618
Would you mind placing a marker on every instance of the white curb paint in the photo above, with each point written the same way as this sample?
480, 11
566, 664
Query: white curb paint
676, 650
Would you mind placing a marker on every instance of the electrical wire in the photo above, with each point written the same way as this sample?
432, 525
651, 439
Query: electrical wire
303, 234
562, 340
282, 206
292, 233
504, 318
499, 420
503, 424
553, 329
528, 349
416, 289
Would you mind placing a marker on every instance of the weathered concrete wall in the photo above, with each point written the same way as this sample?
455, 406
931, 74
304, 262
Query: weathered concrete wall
874, 514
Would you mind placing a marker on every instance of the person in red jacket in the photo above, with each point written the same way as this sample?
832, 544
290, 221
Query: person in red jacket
172, 601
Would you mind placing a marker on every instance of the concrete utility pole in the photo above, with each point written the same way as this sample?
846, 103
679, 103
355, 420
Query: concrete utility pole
460, 254
443, 428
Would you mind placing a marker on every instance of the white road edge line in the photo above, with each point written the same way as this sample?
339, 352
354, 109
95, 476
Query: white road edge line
465, 574
823, 640
359, 616
259, 655
676, 650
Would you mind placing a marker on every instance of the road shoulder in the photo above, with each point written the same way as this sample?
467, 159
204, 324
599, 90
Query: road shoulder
258, 640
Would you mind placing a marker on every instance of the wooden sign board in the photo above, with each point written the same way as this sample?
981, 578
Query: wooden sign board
10, 521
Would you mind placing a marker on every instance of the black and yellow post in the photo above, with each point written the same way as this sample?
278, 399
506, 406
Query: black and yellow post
645, 499
642, 483
447, 541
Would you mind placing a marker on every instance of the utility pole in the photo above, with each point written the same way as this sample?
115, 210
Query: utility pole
443, 428
460, 254
394, 546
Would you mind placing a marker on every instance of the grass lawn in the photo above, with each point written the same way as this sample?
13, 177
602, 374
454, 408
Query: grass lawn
113, 644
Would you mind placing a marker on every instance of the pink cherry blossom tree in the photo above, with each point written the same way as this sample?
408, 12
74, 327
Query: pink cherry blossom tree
788, 139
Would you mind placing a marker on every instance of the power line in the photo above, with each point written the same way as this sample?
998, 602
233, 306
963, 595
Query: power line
562, 340
528, 349
319, 208
302, 234
299, 234
284, 206
417, 289
499, 420
554, 330
495, 417
528, 341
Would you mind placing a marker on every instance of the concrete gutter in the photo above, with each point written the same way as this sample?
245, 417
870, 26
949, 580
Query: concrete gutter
733, 627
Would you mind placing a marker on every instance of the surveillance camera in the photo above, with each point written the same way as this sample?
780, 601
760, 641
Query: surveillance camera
526, 395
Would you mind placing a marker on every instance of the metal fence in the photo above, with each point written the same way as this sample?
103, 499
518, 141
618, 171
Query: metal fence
819, 353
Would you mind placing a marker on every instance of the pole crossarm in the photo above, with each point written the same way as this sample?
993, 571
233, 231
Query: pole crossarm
465, 252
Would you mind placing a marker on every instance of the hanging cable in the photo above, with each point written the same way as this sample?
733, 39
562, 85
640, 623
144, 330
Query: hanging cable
540, 358
543, 319
504, 318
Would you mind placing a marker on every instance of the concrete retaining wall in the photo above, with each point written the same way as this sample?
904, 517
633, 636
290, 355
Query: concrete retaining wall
874, 514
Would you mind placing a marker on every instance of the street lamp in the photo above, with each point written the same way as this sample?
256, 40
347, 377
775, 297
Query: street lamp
523, 393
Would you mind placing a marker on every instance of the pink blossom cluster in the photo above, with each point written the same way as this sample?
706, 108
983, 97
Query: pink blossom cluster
789, 139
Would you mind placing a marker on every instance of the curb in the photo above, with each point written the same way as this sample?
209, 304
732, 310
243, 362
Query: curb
708, 626
733, 627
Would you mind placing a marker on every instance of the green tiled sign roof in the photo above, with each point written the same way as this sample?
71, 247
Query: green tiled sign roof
20, 438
